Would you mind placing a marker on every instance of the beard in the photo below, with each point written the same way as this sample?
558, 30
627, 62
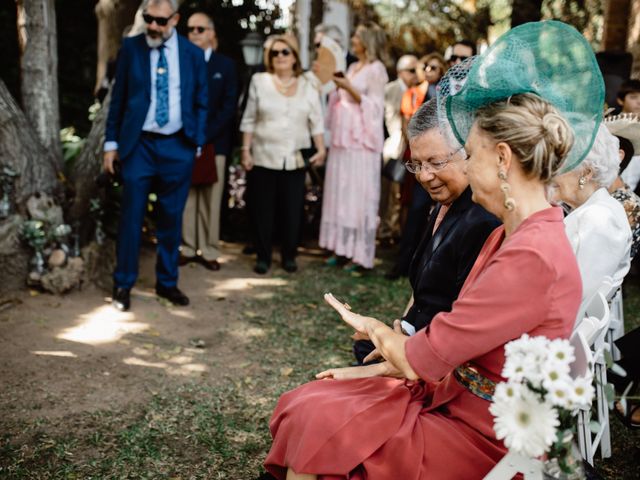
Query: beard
155, 38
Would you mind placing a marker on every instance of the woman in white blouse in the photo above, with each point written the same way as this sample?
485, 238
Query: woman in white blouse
597, 226
283, 112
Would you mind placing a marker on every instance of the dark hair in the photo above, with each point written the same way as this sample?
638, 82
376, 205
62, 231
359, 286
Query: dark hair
630, 86
627, 147
467, 43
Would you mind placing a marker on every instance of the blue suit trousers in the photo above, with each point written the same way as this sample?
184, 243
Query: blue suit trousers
162, 165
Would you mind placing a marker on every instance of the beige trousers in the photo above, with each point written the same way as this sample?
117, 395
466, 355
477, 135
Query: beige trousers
201, 217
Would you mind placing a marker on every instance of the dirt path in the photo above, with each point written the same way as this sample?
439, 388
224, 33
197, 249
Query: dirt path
77, 353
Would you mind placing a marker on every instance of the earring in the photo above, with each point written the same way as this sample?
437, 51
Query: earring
509, 202
581, 182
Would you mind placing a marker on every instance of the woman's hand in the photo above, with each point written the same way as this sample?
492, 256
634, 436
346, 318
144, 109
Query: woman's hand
358, 322
376, 354
318, 158
346, 373
247, 160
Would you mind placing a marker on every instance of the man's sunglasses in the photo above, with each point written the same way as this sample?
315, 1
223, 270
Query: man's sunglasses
285, 52
410, 70
160, 21
455, 58
197, 29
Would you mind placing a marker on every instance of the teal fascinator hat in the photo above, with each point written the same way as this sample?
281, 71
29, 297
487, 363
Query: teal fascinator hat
550, 59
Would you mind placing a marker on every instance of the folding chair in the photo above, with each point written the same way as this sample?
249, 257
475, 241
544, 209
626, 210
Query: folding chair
512, 464
594, 329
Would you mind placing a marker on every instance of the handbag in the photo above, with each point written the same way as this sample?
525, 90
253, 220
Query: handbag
204, 167
394, 170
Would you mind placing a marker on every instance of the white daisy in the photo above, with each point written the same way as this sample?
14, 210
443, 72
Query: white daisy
582, 392
560, 350
527, 425
554, 372
507, 391
560, 394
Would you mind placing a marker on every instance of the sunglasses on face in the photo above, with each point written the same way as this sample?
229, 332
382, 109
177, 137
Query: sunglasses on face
160, 21
285, 52
431, 68
410, 70
197, 29
455, 58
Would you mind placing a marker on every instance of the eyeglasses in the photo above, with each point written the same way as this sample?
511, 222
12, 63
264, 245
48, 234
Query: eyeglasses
285, 52
435, 165
160, 21
410, 70
197, 29
455, 58
431, 68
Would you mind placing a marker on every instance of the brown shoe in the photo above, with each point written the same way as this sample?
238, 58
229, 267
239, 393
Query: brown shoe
210, 264
182, 260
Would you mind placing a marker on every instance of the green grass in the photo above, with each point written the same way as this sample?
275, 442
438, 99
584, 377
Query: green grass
198, 431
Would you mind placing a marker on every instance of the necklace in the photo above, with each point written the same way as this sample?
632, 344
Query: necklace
283, 87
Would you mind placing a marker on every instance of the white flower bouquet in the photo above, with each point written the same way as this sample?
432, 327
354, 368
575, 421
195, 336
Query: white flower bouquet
534, 409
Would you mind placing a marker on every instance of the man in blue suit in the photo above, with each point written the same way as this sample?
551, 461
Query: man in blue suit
155, 126
201, 218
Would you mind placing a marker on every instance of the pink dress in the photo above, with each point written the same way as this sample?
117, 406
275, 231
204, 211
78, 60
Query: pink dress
383, 428
352, 181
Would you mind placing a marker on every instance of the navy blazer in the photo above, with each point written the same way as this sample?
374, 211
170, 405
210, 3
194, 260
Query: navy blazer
223, 95
442, 261
131, 94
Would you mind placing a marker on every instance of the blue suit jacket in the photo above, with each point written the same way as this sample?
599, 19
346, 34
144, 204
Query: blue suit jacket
223, 95
131, 94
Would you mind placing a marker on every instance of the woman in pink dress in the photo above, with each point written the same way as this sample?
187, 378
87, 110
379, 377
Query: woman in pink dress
432, 420
352, 182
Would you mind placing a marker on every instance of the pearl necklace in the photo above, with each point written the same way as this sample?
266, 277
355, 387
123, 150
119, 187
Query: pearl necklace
282, 86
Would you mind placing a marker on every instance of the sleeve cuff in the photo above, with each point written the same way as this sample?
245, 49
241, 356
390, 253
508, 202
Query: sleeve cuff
110, 146
423, 358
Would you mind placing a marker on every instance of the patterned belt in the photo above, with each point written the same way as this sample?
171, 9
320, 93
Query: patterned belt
476, 383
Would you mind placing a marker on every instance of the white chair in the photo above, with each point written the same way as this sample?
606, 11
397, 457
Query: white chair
613, 293
512, 464
581, 366
593, 330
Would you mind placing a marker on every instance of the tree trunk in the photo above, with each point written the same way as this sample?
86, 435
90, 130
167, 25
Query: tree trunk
523, 11
86, 168
37, 172
113, 17
22, 152
39, 70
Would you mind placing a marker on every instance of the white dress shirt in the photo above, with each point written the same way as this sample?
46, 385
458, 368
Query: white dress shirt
600, 236
175, 109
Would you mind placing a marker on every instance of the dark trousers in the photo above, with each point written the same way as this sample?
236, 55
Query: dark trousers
275, 195
162, 165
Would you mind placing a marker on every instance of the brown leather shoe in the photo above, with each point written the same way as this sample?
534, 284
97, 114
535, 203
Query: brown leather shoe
210, 264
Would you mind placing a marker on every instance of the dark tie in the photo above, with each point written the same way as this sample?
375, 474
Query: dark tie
162, 89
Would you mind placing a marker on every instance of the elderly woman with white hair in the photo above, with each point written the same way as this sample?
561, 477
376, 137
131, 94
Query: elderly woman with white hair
597, 226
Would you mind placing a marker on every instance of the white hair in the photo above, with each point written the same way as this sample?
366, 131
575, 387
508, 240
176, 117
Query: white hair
603, 158
173, 3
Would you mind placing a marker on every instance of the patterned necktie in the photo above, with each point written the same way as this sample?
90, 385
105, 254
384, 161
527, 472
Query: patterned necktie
162, 89
441, 213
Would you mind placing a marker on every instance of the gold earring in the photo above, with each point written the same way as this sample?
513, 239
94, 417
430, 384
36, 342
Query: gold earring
509, 202
581, 182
